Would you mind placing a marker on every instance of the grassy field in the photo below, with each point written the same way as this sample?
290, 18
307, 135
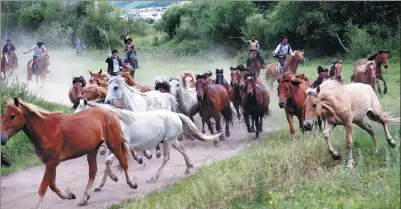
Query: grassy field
19, 149
298, 172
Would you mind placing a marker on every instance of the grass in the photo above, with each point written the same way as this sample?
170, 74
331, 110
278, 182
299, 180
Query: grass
285, 172
19, 149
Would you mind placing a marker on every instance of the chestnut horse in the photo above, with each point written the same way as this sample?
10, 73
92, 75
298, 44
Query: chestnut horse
366, 73
130, 81
99, 78
380, 58
255, 65
59, 137
41, 69
291, 65
128, 68
255, 102
336, 69
213, 100
91, 92
291, 92
75, 92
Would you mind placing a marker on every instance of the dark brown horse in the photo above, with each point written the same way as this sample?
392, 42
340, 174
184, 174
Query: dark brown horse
291, 91
255, 102
380, 58
213, 101
336, 69
255, 65
60, 137
236, 92
41, 69
75, 93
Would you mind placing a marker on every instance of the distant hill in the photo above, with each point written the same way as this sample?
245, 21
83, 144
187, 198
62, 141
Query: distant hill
142, 4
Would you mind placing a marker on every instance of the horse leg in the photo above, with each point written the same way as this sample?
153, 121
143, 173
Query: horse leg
209, 126
379, 90
105, 174
378, 117
166, 157
348, 131
92, 174
326, 134
61, 193
203, 126
180, 148
135, 156
257, 127
260, 124
227, 113
291, 122
365, 126
217, 118
319, 122
246, 118
148, 154
380, 77
236, 106
103, 149
158, 153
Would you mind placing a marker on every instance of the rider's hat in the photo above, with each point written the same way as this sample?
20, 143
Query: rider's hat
8, 40
40, 42
129, 39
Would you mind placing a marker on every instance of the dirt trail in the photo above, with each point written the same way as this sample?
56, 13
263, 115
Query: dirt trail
20, 190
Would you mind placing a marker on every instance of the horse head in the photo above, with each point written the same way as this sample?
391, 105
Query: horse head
12, 120
285, 84
201, 86
370, 68
299, 56
250, 79
188, 80
381, 57
78, 83
235, 77
312, 108
116, 85
336, 69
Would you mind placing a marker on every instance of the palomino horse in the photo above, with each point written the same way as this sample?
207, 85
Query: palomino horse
58, 137
380, 58
336, 70
41, 69
131, 82
255, 102
213, 100
145, 130
291, 65
188, 80
255, 66
344, 105
99, 78
366, 73
292, 95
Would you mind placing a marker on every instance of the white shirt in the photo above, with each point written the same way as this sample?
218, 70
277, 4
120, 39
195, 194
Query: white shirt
283, 50
38, 51
116, 66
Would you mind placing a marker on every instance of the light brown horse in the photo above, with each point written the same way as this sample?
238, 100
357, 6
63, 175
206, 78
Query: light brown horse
366, 73
380, 58
59, 137
99, 78
291, 65
213, 100
291, 92
188, 80
344, 105
75, 92
255, 64
41, 69
131, 82
5, 65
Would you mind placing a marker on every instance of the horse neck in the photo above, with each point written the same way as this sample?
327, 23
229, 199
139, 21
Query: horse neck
378, 62
292, 64
128, 99
298, 94
32, 129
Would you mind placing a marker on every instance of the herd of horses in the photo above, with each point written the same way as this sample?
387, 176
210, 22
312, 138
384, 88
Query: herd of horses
122, 117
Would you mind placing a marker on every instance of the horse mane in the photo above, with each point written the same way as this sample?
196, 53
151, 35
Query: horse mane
219, 77
365, 66
203, 76
120, 81
79, 79
32, 108
121, 113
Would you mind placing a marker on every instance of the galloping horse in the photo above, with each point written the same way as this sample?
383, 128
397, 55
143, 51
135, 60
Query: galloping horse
255, 65
59, 137
188, 80
291, 92
213, 100
366, 73
131, 82
99, 78
255, 103
5, 65
344, 105
291, 65
41, 69
75, 92
8, 63
380, 58
186, 97
323, 75
336, 69
236, 92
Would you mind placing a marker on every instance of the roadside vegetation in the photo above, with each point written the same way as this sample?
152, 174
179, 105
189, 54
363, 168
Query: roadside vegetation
19, 151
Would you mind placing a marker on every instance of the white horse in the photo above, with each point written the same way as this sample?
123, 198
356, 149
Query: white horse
187, 101
146, 130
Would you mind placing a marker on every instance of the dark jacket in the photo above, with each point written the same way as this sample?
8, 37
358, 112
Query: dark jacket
109, 61
5, 49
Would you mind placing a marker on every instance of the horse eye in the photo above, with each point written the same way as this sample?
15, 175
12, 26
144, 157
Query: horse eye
177, 85
12, 117
314, 105
115, 87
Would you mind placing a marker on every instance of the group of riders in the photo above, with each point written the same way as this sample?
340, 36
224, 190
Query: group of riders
115, 64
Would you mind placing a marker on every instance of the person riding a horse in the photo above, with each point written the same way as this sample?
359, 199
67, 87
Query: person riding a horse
130, 52
9, 49
114, 62
254, 46
38, 51
281, 52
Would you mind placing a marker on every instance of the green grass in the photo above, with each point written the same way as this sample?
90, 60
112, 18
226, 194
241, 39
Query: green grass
298, 172
19, 149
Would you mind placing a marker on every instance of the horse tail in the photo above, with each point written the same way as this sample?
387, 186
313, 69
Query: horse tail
228, 115
124, 150
191, 129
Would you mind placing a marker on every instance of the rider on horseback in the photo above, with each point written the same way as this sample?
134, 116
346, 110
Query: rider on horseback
38, 51
114, 62
281, 52
130, 52
9, 49
254, 46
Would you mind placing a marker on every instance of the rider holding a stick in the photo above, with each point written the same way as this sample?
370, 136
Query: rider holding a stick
130, 53
281, 52
254, 46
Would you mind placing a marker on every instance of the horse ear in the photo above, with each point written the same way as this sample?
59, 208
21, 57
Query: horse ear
100, 72
16, 101
85, 102
4, 101
90, 73
196, 76
318, 90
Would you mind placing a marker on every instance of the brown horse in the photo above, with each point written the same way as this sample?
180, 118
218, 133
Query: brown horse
188, 80
323, 75
291, 91
99, 78
366, 73
255, 103
213, 100
291, 65
236, 92
41, 69
128, 68
75, 92
59, 137
131, 82
5, 65
336, 70
380, 58
255, 64
91, 92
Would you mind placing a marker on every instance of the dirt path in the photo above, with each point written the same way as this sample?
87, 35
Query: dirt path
20, 190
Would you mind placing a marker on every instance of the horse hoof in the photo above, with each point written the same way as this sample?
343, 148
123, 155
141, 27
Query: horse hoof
222, 138
97, 189
158, 155
228, 134
140, 161
203, 132
215, 143
134, 185
83, 202
179, 138
391, 143
152, 180
335, 155
72, 196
